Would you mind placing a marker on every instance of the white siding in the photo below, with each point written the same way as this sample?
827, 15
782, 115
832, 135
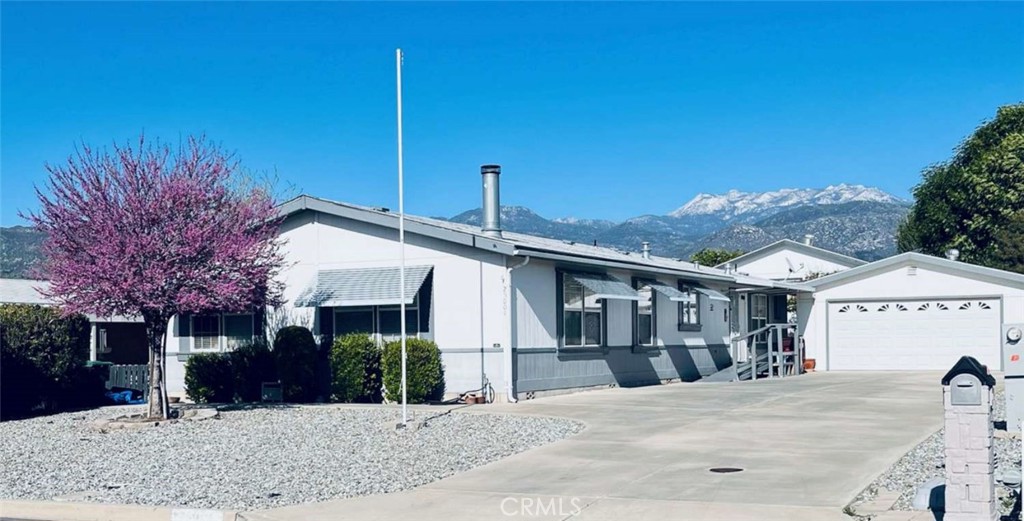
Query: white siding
774, 265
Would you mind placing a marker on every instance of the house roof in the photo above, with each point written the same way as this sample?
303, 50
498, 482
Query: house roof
919, 259
800, 247
26, 291
523, 245
23, 291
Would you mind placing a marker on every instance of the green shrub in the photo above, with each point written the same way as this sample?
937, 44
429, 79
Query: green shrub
355, 369
252, 364
424, 371
41, 356
295, 354
209, 379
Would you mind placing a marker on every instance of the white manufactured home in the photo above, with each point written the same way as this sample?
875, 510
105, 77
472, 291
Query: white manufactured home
529, 315
524, 314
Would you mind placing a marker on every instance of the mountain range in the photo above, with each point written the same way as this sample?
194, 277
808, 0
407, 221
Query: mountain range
853, 220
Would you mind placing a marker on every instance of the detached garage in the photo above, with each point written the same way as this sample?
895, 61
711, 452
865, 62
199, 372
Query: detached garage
909, 312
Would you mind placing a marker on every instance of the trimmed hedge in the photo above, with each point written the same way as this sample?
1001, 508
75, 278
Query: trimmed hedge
209, 378
425, 372
42, 361
355, 369
295, 352
251, 365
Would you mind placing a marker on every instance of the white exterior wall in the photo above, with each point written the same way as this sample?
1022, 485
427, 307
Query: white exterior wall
467, 305
895, 283
774, 265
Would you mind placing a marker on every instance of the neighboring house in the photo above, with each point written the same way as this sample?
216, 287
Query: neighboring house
909, 312
119, 340
791, 260
526, 314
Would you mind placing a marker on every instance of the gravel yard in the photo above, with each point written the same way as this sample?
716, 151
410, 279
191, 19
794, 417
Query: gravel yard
927, 460
259, 458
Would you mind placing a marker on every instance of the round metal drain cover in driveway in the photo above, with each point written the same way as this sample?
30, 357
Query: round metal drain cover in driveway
725, 470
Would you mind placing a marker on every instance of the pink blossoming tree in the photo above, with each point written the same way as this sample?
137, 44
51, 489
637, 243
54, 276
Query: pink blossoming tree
154, 232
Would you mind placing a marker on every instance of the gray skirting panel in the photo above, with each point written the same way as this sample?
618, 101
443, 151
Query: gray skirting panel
543, 369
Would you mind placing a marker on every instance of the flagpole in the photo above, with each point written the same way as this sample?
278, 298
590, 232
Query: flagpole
401, 235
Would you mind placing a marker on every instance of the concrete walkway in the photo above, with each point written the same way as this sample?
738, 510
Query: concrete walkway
807, 445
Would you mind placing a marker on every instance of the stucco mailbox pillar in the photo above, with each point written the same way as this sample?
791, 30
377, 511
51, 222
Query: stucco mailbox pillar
970, 458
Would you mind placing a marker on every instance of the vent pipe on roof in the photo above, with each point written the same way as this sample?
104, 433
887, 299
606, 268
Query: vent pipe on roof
728, 268
808, 239
645, 249
491, 224
953, 254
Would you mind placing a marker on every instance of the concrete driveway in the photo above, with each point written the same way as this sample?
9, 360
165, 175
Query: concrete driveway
807, 446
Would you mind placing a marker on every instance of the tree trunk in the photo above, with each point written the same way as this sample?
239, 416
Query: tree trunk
156, 336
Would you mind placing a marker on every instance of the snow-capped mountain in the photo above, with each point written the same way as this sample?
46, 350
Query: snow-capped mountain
735, 205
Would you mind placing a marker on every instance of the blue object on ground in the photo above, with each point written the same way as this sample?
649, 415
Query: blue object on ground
123, 398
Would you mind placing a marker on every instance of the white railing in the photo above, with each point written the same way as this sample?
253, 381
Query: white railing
781, 360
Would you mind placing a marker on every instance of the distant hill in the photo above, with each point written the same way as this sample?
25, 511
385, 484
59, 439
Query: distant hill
851, 219
19, 250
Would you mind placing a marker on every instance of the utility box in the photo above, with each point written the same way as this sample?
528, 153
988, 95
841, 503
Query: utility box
1013, 369
970, 454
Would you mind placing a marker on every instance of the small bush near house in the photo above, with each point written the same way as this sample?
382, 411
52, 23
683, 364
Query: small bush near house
425, 372
295, 353
209, 378
42, 361
252, 364
355, 369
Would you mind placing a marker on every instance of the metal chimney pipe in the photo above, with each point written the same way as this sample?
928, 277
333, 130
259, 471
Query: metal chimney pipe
808, 239
645, 249
953, 254
491, 223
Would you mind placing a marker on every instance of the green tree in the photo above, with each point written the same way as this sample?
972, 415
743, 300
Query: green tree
969, 201
715, 256
1010, 244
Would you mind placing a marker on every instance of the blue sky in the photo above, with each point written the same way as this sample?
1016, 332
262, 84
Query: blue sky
594, 110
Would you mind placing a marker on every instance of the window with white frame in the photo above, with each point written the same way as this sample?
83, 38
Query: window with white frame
582, 324
236, 329
205, 332
689, 309
645, 313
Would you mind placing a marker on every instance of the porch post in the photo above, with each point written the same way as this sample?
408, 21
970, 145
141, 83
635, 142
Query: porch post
93, 339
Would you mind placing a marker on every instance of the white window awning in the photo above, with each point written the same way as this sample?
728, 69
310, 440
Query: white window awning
604, 286
711, 294
671, 293
362, 287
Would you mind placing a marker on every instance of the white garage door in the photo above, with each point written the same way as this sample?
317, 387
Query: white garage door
913, 334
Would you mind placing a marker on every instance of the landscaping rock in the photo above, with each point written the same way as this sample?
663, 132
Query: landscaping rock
258, 457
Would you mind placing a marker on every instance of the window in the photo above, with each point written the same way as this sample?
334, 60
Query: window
205, 332
384, 321
581, 315
759, 315
390, 321
238, 329
235, 328
354, 320
645, 309
689, 310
